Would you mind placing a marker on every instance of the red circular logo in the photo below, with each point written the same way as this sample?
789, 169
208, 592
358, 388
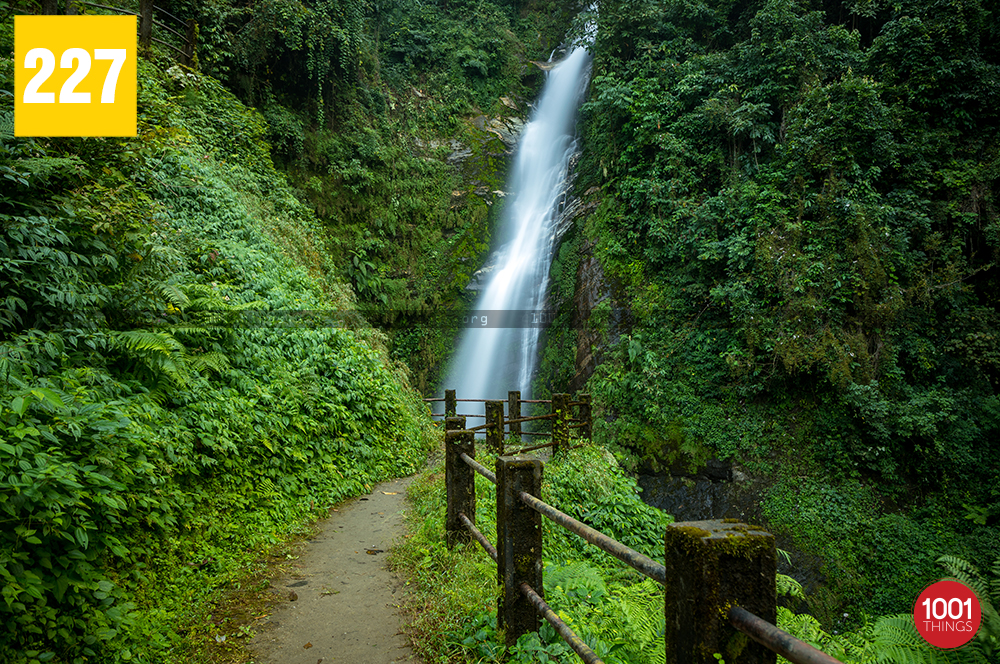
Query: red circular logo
947, 614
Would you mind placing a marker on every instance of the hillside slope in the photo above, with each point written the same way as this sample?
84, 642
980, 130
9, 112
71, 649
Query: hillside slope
166, 413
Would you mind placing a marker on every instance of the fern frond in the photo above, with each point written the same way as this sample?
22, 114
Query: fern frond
173, 294
895, 640
786, 585
965, 572
159, 352
211, 361
142, 341
7, 125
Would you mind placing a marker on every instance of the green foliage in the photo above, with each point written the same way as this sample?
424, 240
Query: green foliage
988, 593
888, 640
798, 227
162, 422
610, 607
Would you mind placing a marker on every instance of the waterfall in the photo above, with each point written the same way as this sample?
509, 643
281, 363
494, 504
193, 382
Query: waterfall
498, 350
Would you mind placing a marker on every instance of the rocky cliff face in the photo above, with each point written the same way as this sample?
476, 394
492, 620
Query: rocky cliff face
591, 289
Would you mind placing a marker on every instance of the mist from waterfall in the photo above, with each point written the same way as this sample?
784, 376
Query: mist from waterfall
492, 360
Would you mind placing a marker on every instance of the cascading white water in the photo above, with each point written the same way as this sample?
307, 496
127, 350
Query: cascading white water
493, 359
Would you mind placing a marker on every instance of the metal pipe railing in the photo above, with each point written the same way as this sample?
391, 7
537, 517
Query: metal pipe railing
574, 641
456, 415
478, 536
533, 448
777, 640
478, 467
641, 563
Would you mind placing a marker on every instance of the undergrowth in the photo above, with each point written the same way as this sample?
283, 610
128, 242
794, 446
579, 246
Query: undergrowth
166, 415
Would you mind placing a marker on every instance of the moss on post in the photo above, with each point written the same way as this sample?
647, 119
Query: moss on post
584, 414
519, 546
712, 565
460, 480
494, 418
560, 423
514, 413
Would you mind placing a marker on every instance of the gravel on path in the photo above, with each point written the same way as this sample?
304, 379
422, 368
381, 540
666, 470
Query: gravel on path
341, 598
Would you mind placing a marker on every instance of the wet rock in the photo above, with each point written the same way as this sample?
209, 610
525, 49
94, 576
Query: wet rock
459, 154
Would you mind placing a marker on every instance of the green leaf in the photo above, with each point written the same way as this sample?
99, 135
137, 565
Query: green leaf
62, 583
106, 633
19, 405
44, 394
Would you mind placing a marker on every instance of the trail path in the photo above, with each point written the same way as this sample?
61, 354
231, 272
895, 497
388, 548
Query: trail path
344, 599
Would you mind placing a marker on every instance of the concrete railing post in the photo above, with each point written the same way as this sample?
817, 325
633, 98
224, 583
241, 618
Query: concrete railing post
190, 37
460, 480
514, 413
494, 433
519, 545
560, 424
145, 25
713, 565
450, 404
584, 414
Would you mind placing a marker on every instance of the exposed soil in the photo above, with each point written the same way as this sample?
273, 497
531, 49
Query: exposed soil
340, 600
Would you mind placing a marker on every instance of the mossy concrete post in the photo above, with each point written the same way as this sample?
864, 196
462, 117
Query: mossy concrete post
560, 424
519, 545
145, 25
189, 42
712, 565
514, 413
584, 414
494, 433
460, 480
450, 403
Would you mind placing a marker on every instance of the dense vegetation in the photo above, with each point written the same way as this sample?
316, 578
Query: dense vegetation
797, 212
795, 206
615, 610
159, 430
174, 400
379, 114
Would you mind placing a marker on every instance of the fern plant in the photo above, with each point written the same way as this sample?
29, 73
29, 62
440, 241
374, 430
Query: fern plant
988, 593
889, 640
187, 339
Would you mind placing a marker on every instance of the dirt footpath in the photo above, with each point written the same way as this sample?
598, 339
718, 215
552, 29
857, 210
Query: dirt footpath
343, 599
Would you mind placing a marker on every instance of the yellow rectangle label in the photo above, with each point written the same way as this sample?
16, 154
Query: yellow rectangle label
75, 75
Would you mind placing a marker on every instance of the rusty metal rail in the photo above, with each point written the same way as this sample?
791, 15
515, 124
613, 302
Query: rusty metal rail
519, 547
478, 467
574, 641
457, 415
777, 640
631, 557
533, 448
530, 419
478, 536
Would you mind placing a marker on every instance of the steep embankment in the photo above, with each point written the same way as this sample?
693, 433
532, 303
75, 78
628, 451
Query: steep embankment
166, 414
